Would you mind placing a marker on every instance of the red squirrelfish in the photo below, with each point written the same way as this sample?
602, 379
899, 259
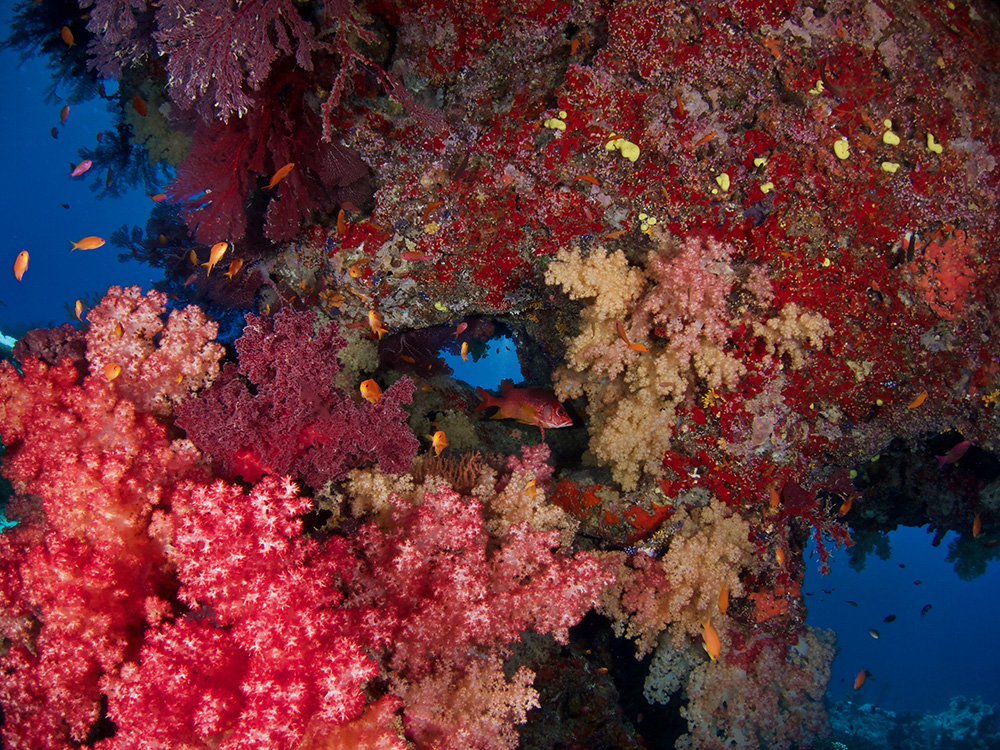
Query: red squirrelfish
536, 406
954, 454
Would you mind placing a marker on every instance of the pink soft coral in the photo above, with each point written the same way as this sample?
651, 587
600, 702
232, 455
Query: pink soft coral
78, 574
443, 596
160, 364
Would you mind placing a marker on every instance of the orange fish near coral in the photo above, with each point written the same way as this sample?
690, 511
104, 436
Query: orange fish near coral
535, 406
64, 114
439, 441
67, 36
139, 105
624, 337
375, 321
465, 351
723, 599
977, 526
215, 255
112, 371
78, 309
280, 175
87, 243
21, 264
711, 642
370, 391
860, 679
234, 268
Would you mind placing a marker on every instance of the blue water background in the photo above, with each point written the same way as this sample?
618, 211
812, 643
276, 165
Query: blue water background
919, 661
35, 182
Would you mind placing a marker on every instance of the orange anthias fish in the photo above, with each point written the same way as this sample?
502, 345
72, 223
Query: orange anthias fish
87, 243
536, 406
280, 175
711, 642
370, 391
64, 114
139, 105
977, 526
630, 344
439, 441
67, 36
723, 599
215, 255
375, 321
465, 351
234, 268
78, 309
21, 264
860, 679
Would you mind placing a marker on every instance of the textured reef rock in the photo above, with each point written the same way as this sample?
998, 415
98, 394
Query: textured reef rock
750, 244
967, 724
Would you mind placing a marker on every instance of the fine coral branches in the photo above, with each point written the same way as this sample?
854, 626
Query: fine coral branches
676, 308
218, 54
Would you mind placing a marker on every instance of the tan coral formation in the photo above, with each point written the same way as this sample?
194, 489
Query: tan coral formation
675, 307
709, 549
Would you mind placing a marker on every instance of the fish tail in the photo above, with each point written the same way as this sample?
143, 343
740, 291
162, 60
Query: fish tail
487, 400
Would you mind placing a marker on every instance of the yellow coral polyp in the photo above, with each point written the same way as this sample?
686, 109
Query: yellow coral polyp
626, 148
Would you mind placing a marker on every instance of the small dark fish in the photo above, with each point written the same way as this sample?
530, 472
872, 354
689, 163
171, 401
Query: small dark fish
827, 591
901, 565
889, 618
927, 608
853, 604
55, 132
917, 583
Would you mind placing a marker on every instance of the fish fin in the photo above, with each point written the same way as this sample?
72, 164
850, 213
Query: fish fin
505, 387
487, 400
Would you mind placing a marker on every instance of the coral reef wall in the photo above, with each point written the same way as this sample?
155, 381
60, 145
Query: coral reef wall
749, 245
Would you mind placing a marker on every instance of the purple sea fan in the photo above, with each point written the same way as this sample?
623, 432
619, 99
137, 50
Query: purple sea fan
280, 411
220, 51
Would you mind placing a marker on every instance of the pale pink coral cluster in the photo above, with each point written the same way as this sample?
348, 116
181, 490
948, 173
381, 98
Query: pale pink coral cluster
159, 364
651, 335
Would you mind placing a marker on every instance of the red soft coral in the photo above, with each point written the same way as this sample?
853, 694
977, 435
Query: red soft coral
442, 596
242, 557
235, 158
